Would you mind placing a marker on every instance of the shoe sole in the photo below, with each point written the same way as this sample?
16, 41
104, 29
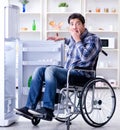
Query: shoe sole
18, 112
23, 114
40, 115
34, 112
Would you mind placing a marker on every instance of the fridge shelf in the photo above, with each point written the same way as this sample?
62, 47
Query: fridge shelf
41, 62
41, 49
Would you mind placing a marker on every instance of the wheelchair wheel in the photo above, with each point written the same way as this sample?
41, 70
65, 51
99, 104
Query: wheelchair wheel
98, 102
35, 121
73, 104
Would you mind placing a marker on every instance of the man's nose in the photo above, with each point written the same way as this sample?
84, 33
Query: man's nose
74, 26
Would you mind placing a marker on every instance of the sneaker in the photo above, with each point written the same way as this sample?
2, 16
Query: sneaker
22, 111
43, 113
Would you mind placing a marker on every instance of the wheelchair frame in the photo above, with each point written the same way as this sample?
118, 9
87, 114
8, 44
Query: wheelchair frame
95, 101
95, 105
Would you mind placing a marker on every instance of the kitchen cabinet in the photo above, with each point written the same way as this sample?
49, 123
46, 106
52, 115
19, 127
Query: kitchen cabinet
58, 17
33, 12
102, 18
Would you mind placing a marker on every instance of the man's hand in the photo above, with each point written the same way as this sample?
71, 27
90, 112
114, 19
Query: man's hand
76, 35
55, 38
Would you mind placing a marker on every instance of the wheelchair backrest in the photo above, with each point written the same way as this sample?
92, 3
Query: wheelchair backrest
96, 59
95, 65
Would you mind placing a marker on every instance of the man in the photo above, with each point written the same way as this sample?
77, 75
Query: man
83, 49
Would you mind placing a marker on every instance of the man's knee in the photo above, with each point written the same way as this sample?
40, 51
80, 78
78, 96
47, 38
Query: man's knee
50, 69
38, 71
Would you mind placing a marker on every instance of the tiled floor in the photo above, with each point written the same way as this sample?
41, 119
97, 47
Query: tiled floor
77, 124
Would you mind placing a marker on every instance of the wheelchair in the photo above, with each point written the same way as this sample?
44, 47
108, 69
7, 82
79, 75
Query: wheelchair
94, 99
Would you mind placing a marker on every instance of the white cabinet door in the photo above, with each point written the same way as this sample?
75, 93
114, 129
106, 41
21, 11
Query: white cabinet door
33, 54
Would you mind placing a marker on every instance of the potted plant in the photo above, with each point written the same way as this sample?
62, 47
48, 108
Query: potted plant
23, 2
63, 6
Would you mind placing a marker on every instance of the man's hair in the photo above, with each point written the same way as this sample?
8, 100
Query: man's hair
78, 16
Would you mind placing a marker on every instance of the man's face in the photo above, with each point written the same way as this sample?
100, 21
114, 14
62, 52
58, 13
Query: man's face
76, 26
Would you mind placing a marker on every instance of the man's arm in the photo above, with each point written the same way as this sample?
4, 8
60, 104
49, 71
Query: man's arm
89, 51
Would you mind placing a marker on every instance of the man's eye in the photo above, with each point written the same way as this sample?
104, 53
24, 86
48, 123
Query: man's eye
71, 24
78, 24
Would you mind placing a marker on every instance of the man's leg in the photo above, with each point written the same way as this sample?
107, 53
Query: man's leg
55, 77
35, 87
35, 91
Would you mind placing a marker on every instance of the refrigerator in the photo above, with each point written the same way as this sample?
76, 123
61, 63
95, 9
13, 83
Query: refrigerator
8, 74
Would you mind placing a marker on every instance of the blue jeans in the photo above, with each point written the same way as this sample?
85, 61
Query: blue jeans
54, 77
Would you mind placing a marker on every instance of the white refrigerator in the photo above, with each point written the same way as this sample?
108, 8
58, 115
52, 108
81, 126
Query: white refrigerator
8, 74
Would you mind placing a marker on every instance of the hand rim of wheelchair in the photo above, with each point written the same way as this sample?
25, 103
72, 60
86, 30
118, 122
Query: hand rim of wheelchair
84, 111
